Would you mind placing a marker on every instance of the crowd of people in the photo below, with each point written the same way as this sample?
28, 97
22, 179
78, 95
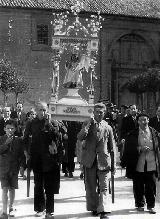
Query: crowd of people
32, 140
137, 135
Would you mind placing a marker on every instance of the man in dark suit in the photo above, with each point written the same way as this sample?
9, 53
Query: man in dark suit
155, 121
96, 158
129, 122
20, 116
73, 127
141, 159
119, 120
45, 155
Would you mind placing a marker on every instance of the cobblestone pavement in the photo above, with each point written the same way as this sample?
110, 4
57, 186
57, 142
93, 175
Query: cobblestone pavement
70, 203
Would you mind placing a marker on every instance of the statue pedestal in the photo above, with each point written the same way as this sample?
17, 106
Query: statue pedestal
71, 107
72, 92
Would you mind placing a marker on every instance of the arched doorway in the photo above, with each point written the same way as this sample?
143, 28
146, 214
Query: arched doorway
130, 56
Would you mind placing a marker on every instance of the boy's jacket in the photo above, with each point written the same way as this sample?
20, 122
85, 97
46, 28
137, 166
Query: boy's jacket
11, 156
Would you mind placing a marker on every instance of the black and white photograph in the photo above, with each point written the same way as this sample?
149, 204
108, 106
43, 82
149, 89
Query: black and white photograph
80, 109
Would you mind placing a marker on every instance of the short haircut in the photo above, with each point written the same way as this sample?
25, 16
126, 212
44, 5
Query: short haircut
11, 122
41, 104
100, 105
142, 115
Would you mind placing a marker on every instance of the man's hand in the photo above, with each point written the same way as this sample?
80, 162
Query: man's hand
88, 125
53, 148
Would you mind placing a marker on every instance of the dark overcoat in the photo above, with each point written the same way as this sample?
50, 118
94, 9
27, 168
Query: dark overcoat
11, 156
131, 153
43, 133
128, 124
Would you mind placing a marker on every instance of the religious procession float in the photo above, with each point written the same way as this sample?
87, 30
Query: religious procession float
79, 37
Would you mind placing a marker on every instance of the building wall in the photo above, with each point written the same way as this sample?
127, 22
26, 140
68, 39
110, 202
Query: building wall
17, 49
114, 29
34, 62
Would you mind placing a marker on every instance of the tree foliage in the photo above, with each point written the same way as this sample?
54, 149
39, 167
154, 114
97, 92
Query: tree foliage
148, 81
153, 79
11, 81
7, 76
20, 86
135, 84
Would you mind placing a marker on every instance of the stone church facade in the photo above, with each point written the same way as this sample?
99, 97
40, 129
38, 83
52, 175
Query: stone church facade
129, 45
128, 42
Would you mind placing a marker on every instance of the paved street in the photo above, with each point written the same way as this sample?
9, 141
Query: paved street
70, 203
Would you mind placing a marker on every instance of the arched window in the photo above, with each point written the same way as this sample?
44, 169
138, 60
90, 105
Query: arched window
131, 51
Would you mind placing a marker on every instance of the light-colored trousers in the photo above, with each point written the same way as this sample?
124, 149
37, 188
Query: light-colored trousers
96, 186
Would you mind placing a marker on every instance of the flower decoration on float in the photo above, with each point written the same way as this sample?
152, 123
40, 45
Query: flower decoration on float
66, 25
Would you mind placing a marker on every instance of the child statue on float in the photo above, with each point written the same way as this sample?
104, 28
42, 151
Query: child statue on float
74, 67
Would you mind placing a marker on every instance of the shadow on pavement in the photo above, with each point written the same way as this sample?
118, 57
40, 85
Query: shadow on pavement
65, 216
70, 199
75, 216
88, 215
27, 216
75, 178
24, 201
126, 212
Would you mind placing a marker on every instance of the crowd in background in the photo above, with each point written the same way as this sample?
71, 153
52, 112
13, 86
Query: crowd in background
124, 119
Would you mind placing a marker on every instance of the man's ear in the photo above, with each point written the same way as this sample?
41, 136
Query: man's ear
4, 128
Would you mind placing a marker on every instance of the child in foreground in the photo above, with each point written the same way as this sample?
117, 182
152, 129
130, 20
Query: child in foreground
11, 157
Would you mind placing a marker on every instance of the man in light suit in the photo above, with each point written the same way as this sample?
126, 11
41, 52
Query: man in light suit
96, 158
